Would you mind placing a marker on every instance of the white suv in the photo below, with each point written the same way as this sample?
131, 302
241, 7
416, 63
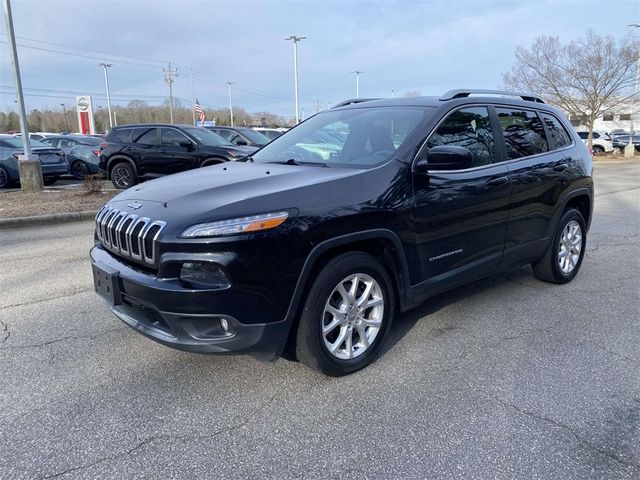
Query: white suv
601, 142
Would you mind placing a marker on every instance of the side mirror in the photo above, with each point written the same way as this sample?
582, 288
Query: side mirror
445, 157
241, 142
186, 144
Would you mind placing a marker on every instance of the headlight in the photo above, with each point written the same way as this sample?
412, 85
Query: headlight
234, 226
203, 275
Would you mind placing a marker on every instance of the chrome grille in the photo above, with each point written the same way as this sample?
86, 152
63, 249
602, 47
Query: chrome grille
127, 234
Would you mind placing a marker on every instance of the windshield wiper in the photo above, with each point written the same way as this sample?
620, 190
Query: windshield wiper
293, 161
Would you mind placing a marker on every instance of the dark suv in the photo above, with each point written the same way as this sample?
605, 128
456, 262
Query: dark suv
308, 250
133, 152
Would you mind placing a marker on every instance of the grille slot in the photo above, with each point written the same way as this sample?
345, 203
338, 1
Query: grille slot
127, 235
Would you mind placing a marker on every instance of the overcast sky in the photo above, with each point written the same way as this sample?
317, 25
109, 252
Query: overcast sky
428, 47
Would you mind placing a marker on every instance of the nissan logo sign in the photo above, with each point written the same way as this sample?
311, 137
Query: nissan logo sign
83, 104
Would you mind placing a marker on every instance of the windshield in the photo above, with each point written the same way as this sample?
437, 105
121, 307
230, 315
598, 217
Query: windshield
207, 137
357, 137
17, 142
256, 137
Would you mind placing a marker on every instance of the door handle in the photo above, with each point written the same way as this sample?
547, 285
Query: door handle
560, 167
497, 181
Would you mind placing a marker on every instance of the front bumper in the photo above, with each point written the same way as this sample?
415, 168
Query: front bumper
163, 310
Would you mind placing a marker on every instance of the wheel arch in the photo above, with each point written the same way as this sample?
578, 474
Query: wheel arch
213, 160
382, 244
113, 161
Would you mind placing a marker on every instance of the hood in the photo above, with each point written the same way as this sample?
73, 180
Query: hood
236, 186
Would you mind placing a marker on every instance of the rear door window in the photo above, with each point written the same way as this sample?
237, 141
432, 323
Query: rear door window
560, 138
146, 136
523, 132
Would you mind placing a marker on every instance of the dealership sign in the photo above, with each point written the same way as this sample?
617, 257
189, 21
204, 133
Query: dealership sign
84, 107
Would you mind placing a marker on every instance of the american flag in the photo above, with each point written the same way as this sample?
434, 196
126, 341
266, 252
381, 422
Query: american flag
200, 111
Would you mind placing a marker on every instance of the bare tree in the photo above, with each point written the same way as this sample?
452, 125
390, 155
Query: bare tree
585, 77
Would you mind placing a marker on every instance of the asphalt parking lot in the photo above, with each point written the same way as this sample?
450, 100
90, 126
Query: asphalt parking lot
64, 183
505, 378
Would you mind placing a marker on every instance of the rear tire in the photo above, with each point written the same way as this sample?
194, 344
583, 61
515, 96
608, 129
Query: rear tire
348, 311
563, 258
597, 150
5, 179
79, 169
123, 176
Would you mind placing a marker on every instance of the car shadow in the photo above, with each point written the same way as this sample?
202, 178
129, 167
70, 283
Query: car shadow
404, 322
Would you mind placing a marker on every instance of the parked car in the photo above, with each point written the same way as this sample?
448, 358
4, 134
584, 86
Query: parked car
601, 142
134, 152
621, 141
618, 131
270, 133
83, 152
289, 252
52, 160
241, 136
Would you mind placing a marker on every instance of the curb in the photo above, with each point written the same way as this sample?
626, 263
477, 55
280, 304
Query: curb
19, 222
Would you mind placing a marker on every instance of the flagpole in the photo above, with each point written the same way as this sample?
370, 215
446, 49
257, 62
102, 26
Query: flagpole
193, 100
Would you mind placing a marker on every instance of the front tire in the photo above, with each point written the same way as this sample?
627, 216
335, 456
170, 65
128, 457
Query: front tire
348, 311
597, 150
563, 258
123, 176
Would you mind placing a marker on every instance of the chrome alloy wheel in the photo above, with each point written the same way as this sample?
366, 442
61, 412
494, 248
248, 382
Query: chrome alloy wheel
570, 247
121, 177
352, 316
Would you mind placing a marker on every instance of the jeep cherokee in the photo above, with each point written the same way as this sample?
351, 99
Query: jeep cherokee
309, 252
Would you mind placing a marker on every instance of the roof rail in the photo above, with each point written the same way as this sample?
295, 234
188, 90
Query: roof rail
352, 101
451, 94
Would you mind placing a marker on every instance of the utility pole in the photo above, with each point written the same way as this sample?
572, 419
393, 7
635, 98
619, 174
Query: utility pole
193, 99
64, 112
169, 73
358, 72
317, 105
106, 81
296, 39
29, 166
230, 102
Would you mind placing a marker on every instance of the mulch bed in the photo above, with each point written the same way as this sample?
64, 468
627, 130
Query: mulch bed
51, 200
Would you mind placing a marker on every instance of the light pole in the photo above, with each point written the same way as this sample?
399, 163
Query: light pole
106, 82
64, 112
29, 167
230, 102
393, 93
357, 72
630, 150
296, 39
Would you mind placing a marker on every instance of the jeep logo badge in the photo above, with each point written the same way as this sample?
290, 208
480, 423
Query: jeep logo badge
134, 205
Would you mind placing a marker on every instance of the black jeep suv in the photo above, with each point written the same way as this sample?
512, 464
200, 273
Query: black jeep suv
133, 152
309, 249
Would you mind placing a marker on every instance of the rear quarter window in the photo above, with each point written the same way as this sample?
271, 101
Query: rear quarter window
122, 135
559, 137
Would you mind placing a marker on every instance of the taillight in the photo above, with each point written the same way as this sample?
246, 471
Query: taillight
96, 152
104, 144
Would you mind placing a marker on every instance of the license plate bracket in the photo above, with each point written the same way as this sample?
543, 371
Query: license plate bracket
106, 284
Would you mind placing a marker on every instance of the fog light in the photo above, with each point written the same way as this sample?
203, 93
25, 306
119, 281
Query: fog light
224, 324
203, 275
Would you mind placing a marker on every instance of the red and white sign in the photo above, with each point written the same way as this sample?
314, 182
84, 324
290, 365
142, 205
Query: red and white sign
84, 107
